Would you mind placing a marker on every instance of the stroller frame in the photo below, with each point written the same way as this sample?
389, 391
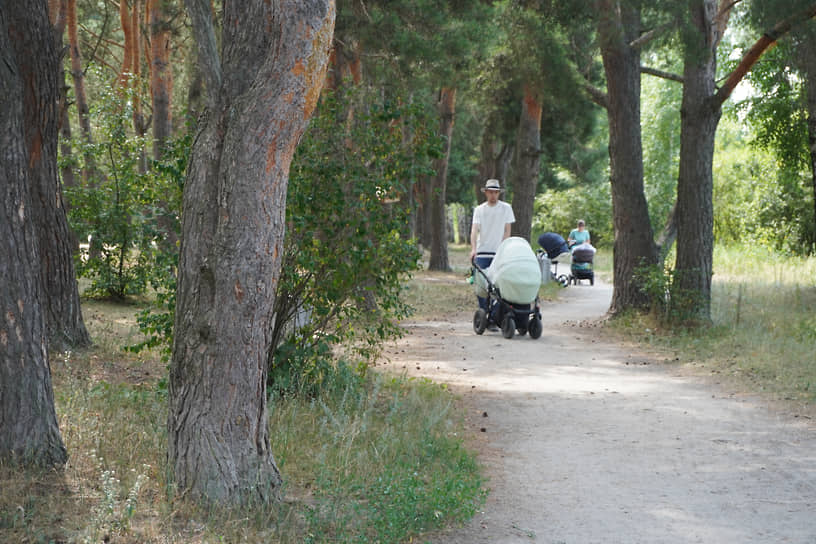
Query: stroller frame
562, 279
582, 268
509, 317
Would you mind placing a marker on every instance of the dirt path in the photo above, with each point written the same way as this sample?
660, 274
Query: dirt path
585, 442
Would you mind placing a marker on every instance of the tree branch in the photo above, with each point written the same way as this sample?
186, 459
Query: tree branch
209, 61
765, 42
661, 74
646, 37
597, 95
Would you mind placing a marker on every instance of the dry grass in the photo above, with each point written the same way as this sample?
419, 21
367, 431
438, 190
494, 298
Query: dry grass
763, 333
337, 452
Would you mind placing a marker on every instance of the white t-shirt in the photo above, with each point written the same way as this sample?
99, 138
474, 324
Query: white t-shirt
491, 221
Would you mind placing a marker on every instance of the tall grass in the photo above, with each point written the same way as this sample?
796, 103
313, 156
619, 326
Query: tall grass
763, 329
764, 310
377, 458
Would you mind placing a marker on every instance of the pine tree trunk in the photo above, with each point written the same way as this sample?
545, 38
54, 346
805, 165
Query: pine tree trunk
29, 434
59, 19
528, 160
161, 77
700, 114
232, 240
39, 66
161, 90
439, 222
78, 77
634, 239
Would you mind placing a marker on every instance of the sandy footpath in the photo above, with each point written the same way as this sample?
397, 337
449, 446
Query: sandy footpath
586, 442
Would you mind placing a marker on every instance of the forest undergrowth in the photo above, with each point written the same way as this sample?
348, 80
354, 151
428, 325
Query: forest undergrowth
376, 458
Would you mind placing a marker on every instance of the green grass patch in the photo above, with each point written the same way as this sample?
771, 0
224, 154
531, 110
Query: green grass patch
380, 465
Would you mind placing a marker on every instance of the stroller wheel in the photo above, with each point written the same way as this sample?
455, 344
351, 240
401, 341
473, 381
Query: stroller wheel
535, 328
508, 327
479, 321
592, 280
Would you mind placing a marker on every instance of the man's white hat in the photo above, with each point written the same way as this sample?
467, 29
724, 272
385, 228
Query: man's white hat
492, 185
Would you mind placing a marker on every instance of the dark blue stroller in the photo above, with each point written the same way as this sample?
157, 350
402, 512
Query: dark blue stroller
555, 250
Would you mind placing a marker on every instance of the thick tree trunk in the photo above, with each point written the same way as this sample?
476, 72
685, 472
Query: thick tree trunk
528, 159
700, 114
29, 434
439, 222
261, 93
39, 66
634, 239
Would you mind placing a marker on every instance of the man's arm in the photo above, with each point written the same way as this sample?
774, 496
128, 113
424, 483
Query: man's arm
507, 227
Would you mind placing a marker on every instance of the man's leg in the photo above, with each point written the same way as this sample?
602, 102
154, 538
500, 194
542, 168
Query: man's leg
483, 261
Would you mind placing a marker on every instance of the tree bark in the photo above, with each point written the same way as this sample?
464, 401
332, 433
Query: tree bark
439, 223
29, 434
261, 92
700, 114
161, 90
38, 64
161, 77
494, 164
496, 156
59, 18
78, 77
528, 160
634, 245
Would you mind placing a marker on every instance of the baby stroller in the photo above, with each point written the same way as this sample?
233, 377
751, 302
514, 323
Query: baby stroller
554, 250
581, 267
510, 285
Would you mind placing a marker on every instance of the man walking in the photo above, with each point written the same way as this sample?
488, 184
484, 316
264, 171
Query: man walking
491, 226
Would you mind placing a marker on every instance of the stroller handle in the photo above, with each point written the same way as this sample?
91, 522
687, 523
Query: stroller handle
490, 286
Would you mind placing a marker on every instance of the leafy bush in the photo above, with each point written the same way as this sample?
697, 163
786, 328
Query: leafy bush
347, 249
558, 211
121, 205
670, 304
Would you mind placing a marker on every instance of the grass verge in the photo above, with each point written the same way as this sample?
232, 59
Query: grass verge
763, 332
378, 459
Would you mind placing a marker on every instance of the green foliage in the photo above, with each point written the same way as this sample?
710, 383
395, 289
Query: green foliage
346, 252
558, 211
758, 199
156, 321
660, 121
389, 464
670, 304
310, 370
119, 207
